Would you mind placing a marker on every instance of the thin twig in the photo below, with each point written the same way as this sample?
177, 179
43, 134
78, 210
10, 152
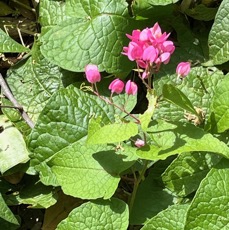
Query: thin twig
17, 106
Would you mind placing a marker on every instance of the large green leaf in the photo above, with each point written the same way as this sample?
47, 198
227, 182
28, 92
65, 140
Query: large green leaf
7, 219
202, 12
64, 121
219, 119
150, 199
176, 138
185, 173
13, 149
171, 218
96, 35
32, 82
8, 45
90, 172
210, 206
218, 37
99, 214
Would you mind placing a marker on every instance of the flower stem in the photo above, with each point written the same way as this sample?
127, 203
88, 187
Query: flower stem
136, 184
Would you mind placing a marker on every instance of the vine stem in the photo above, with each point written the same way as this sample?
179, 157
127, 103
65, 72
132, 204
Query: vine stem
17, 106
118, 107
136, 184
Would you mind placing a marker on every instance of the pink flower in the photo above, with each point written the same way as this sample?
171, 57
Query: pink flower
150, 54
116, 86
131, 87
92, 73
149, 47
135, 35
139, 143
183, 69
164, 58
167, 46
134, 51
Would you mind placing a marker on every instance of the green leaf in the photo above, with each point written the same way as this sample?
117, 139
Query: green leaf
171, 218
177, 97
219, 118
13, 149
146, 117
185, 173
209, 208
111, 133
35, 194
100, 165
218, 37
7, 219
114, 215
150, 199
202, 12
64, 120
199, 87
32, 82
156, 2
52, 13
5, 9
175, 138
96, 36
8, 45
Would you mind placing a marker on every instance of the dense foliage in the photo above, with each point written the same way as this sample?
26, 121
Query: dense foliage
101, 127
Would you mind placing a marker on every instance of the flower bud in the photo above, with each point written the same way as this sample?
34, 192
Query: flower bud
92, 73
116, 86
139, 143
183, 69
131, 87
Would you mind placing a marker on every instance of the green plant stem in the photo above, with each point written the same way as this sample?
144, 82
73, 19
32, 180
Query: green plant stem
136, 184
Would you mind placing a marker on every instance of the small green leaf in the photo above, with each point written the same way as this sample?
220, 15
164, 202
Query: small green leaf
13, 149
110, 133
100, 165
175, 138
185, 173
209, 208
146, 117
199, 87
177, 97
7, 219
8, 45
100, 215
35, 194
96, 36
218, 37
219, 118
172, 218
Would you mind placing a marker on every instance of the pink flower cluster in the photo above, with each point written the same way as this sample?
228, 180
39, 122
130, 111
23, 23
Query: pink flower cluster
149, 48
116, 86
